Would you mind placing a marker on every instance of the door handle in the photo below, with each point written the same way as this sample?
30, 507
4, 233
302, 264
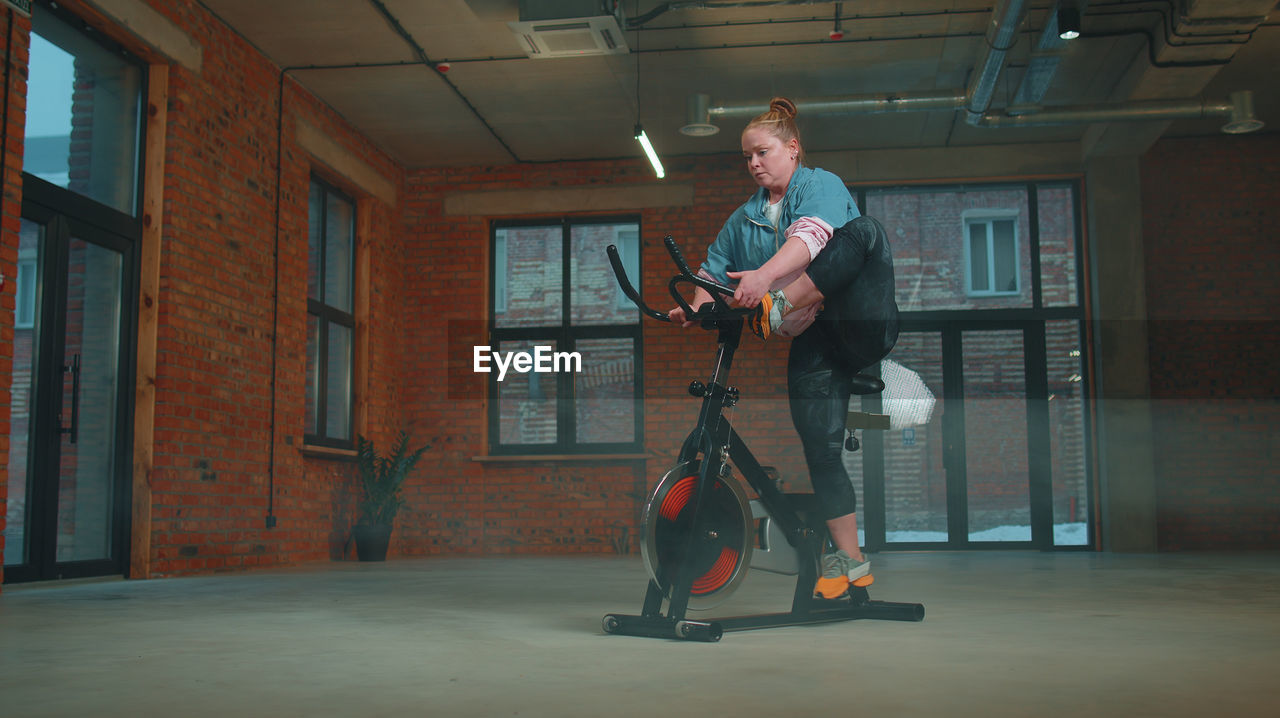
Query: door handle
74, 429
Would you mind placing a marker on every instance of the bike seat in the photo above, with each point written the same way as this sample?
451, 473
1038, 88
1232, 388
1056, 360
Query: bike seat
863, 384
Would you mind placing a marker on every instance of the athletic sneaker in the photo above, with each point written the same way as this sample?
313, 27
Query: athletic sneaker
768, 316
838, 571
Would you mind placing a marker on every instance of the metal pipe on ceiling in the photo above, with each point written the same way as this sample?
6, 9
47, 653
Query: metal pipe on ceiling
639, 20
864, 104
1238, 109
1001, 37
975, 101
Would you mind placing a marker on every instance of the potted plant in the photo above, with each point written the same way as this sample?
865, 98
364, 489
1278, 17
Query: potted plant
381, 478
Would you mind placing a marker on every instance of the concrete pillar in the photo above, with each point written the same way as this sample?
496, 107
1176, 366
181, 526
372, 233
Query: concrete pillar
1125, 443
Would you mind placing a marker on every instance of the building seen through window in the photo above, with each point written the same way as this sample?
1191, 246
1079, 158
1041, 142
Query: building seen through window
553, 292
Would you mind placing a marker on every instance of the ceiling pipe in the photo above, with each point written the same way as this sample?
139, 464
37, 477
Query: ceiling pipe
975, 101
1238, 110
1001, 37
864, 104
667, 7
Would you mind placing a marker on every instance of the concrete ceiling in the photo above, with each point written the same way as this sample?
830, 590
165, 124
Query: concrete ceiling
375, 62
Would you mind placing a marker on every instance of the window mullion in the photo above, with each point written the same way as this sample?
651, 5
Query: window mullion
992, 288
322, 288
322, 377
566, 407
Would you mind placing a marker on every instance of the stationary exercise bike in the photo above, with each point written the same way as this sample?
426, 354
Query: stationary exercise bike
701, 531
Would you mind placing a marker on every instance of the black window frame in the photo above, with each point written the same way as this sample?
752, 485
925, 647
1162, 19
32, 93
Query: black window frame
565, 337
327, 314
1034, 319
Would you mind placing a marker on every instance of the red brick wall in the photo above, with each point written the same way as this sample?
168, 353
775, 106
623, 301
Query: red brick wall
472, 506
213, 414
210, 485
18, 29
1212, 259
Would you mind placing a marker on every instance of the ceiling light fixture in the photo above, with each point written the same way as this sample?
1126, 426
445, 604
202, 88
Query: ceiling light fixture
1068, 23
649, 152
641, 137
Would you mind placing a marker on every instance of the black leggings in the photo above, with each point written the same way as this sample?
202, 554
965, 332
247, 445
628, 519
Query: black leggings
857, 327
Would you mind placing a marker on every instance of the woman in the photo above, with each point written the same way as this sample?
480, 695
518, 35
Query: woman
821, 274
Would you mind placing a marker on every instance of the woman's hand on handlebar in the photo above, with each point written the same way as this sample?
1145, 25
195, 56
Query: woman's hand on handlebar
700, 297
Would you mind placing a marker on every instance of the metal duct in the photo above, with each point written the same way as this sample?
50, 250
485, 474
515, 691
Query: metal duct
698, 117
1000, 39
865, 104
1238, 110
1006, 18
1044, 60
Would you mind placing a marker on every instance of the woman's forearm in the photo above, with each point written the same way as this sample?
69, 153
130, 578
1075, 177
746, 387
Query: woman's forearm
789, 261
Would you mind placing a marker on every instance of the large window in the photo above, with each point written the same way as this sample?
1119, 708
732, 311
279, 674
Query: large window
988, 284
330, 316
569, 344
83, 126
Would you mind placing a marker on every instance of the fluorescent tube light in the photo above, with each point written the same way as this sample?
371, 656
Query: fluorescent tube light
650, 153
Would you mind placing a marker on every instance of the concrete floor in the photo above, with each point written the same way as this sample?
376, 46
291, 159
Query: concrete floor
1005, 634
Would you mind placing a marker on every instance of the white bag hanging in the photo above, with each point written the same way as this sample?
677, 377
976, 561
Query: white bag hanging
905, 398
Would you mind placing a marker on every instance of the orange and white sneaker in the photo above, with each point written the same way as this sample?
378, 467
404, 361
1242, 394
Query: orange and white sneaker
839, 571
768, 316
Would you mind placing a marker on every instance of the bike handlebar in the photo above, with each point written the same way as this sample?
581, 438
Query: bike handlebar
719, 309
621, 273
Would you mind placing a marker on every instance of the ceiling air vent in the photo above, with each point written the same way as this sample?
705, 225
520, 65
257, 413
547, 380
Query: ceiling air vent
569, 28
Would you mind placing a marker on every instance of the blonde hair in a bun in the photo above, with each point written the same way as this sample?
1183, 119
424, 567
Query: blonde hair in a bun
780, 121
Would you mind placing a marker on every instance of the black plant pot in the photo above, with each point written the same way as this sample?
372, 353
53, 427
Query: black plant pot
371, 542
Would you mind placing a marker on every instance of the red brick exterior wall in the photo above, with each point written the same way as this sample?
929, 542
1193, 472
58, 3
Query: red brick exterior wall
1212, 259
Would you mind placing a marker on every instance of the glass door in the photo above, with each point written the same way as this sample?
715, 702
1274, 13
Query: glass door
26, 342
70, 425
67, 466
977, 474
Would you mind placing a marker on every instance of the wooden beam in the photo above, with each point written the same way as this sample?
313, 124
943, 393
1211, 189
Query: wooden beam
144, 406
144, 31
343, 162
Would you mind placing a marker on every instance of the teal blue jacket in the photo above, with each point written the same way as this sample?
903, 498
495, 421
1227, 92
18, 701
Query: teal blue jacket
747, 240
